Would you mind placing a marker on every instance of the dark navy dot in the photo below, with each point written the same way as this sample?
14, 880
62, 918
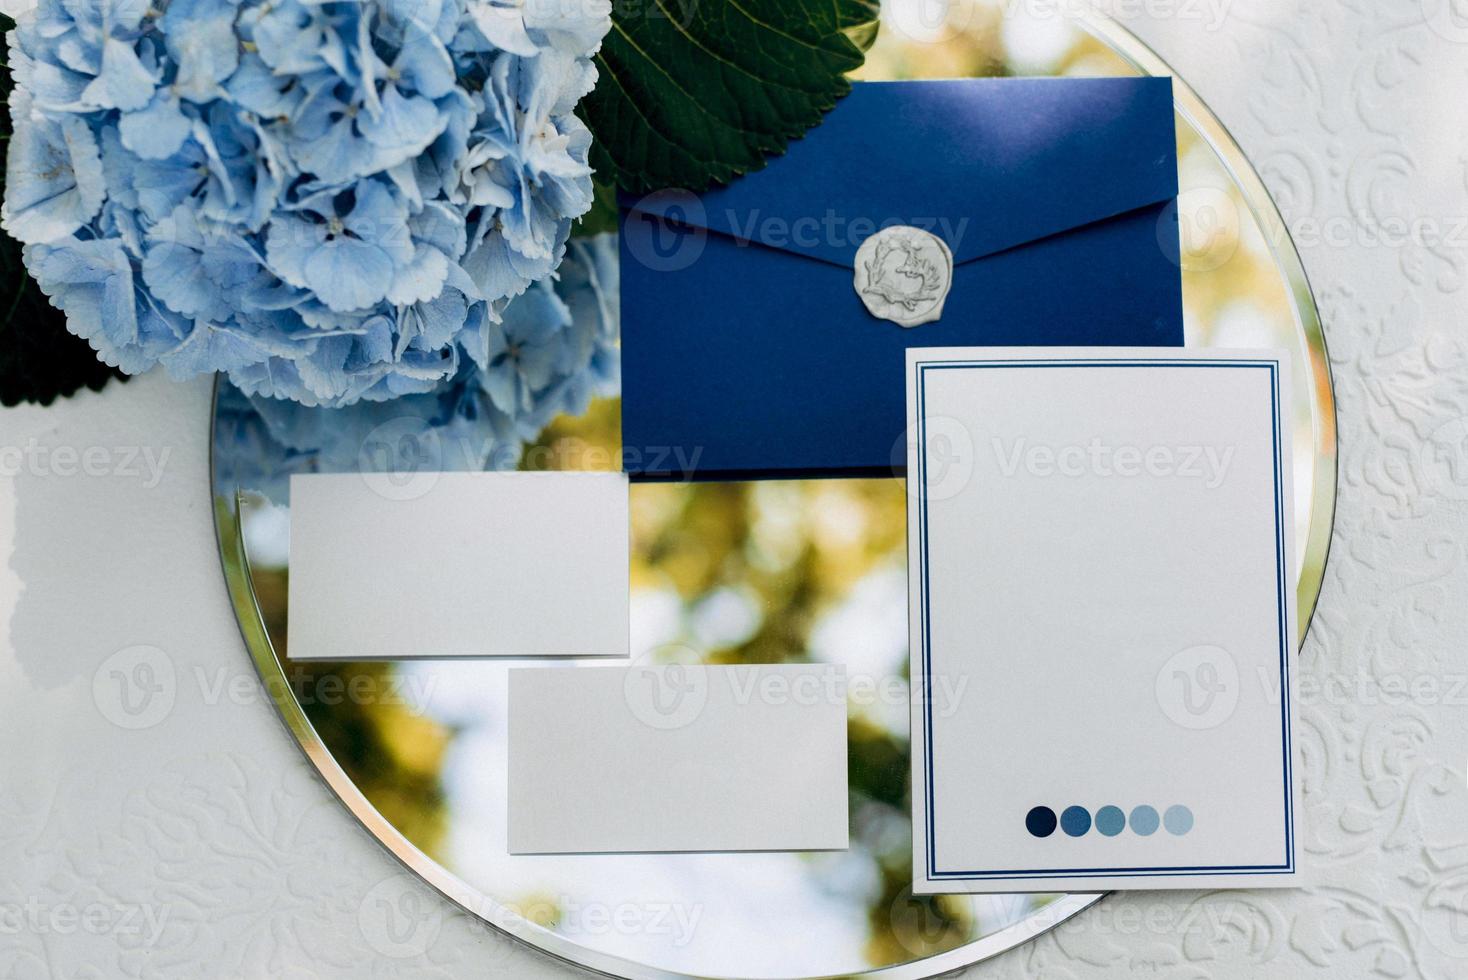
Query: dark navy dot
1075, 821
1040, 821
1144, 821
1110, 820
1178, 820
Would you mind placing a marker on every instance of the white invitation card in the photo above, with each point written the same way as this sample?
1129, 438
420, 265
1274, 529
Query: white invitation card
1101, 561
458, 565
677, 758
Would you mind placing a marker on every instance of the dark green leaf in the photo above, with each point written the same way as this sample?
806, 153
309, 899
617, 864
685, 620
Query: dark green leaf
693, 92
39, 359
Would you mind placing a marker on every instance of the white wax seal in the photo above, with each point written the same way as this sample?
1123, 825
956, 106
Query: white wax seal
903, 274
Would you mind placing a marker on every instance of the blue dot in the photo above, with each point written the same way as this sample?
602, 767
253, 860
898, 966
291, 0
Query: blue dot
1040, 821
1075, 821
1144, 821
1178, 820
1110, 820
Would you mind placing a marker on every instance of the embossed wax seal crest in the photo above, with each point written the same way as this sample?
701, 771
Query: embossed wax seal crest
903, 274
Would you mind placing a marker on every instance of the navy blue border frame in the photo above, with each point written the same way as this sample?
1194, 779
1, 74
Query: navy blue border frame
922, 367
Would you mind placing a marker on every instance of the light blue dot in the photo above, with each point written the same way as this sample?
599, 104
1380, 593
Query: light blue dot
1144, 821
1110, 820
1075, 821
1178, 820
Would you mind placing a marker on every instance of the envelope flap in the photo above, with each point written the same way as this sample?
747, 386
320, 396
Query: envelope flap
984, 164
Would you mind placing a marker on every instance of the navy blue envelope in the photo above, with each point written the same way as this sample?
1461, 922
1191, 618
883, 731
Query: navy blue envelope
747, 353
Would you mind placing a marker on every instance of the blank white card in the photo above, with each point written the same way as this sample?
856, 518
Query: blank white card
458, 565
1103, 623
677, 758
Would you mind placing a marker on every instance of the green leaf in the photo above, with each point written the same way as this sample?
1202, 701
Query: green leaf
39, 358
694, 92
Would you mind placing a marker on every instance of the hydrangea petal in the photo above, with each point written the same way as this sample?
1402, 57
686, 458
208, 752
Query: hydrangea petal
173, 274
421, 279
425, 13
502, 390
124, 83
503, 26
425, 64
573, 28
382, 219
124, 15
198, 270
440, 226
432, 325
530, 228
405, 126
501, 272
51, 86
154, 187
348, 274
333, 154
202, 41
322, 371
92, 282
289, 241
290, 36
210, 347
157, 131
53, 176
263, 92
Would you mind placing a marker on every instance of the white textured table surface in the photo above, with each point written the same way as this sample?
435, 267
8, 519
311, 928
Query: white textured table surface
184, 836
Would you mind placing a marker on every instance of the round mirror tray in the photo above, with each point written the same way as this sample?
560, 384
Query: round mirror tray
763, 573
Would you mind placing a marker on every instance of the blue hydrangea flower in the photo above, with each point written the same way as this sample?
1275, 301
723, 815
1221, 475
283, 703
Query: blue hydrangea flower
591, 362
564, 342
328, 200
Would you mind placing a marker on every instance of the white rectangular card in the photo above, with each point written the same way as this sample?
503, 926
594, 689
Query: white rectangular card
458, 565
1102, 596
677, 758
